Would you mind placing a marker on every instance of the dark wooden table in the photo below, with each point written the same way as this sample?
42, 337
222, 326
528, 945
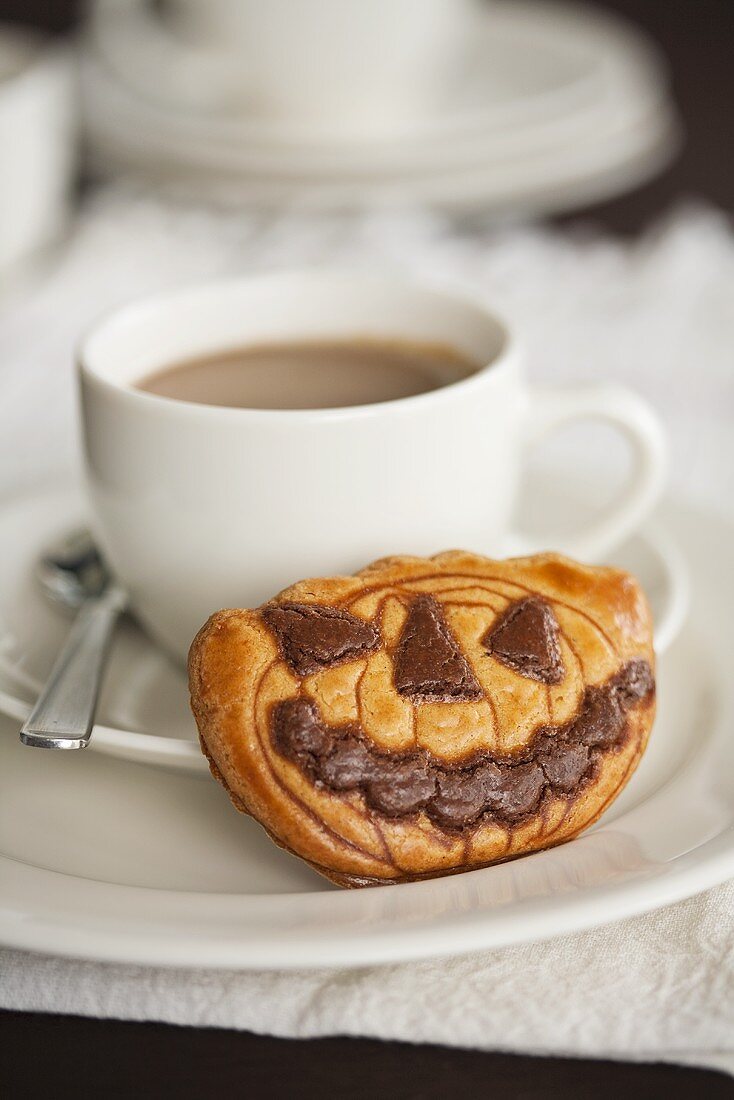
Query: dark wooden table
58, 1057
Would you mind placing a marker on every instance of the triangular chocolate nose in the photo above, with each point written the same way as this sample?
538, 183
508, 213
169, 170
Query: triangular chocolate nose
429, 667
312, 637
526, 640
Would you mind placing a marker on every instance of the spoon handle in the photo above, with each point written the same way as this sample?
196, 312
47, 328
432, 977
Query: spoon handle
64, 712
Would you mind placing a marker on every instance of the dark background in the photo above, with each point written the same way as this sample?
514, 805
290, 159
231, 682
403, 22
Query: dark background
63, 1057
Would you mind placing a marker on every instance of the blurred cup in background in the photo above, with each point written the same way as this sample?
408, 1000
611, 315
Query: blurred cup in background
331, 64
37, 125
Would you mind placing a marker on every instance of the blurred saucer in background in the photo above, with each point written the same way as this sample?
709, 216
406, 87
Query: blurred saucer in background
551, 106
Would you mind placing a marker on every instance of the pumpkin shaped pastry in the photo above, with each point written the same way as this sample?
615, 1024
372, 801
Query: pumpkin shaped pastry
428, 715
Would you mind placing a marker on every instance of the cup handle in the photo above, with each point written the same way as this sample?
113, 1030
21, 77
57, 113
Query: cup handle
672, 595
551, 409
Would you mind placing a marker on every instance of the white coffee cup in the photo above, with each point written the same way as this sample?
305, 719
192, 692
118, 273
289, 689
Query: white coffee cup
199, 507
37, 139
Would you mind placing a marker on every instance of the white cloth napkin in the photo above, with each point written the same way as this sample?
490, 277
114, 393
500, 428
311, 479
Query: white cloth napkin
655, 988
656, 314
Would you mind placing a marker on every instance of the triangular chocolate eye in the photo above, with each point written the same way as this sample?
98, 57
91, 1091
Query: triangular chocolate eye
312, 637
429, 666
526, 640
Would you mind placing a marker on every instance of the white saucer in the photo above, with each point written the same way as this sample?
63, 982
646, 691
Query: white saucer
107, 860
143, 714
555, 105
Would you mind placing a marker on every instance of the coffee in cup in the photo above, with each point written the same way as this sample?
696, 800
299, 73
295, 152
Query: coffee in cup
312, 374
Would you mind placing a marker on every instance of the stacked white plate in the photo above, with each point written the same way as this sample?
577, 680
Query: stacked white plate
553, 106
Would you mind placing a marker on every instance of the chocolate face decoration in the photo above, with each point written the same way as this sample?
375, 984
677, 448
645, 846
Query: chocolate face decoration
428, 715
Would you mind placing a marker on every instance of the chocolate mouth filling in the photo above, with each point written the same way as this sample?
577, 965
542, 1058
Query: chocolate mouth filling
559, 759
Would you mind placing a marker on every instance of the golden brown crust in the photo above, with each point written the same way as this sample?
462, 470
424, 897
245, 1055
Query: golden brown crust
238, 676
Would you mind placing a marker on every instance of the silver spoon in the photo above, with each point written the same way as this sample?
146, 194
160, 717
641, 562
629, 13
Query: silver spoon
72, 573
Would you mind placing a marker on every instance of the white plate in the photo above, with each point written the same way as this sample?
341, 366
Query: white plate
588, 170
107, 860
627, 104
143, 714
560, 107
538, 177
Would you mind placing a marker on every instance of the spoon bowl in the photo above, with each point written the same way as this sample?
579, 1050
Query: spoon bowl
72, 570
